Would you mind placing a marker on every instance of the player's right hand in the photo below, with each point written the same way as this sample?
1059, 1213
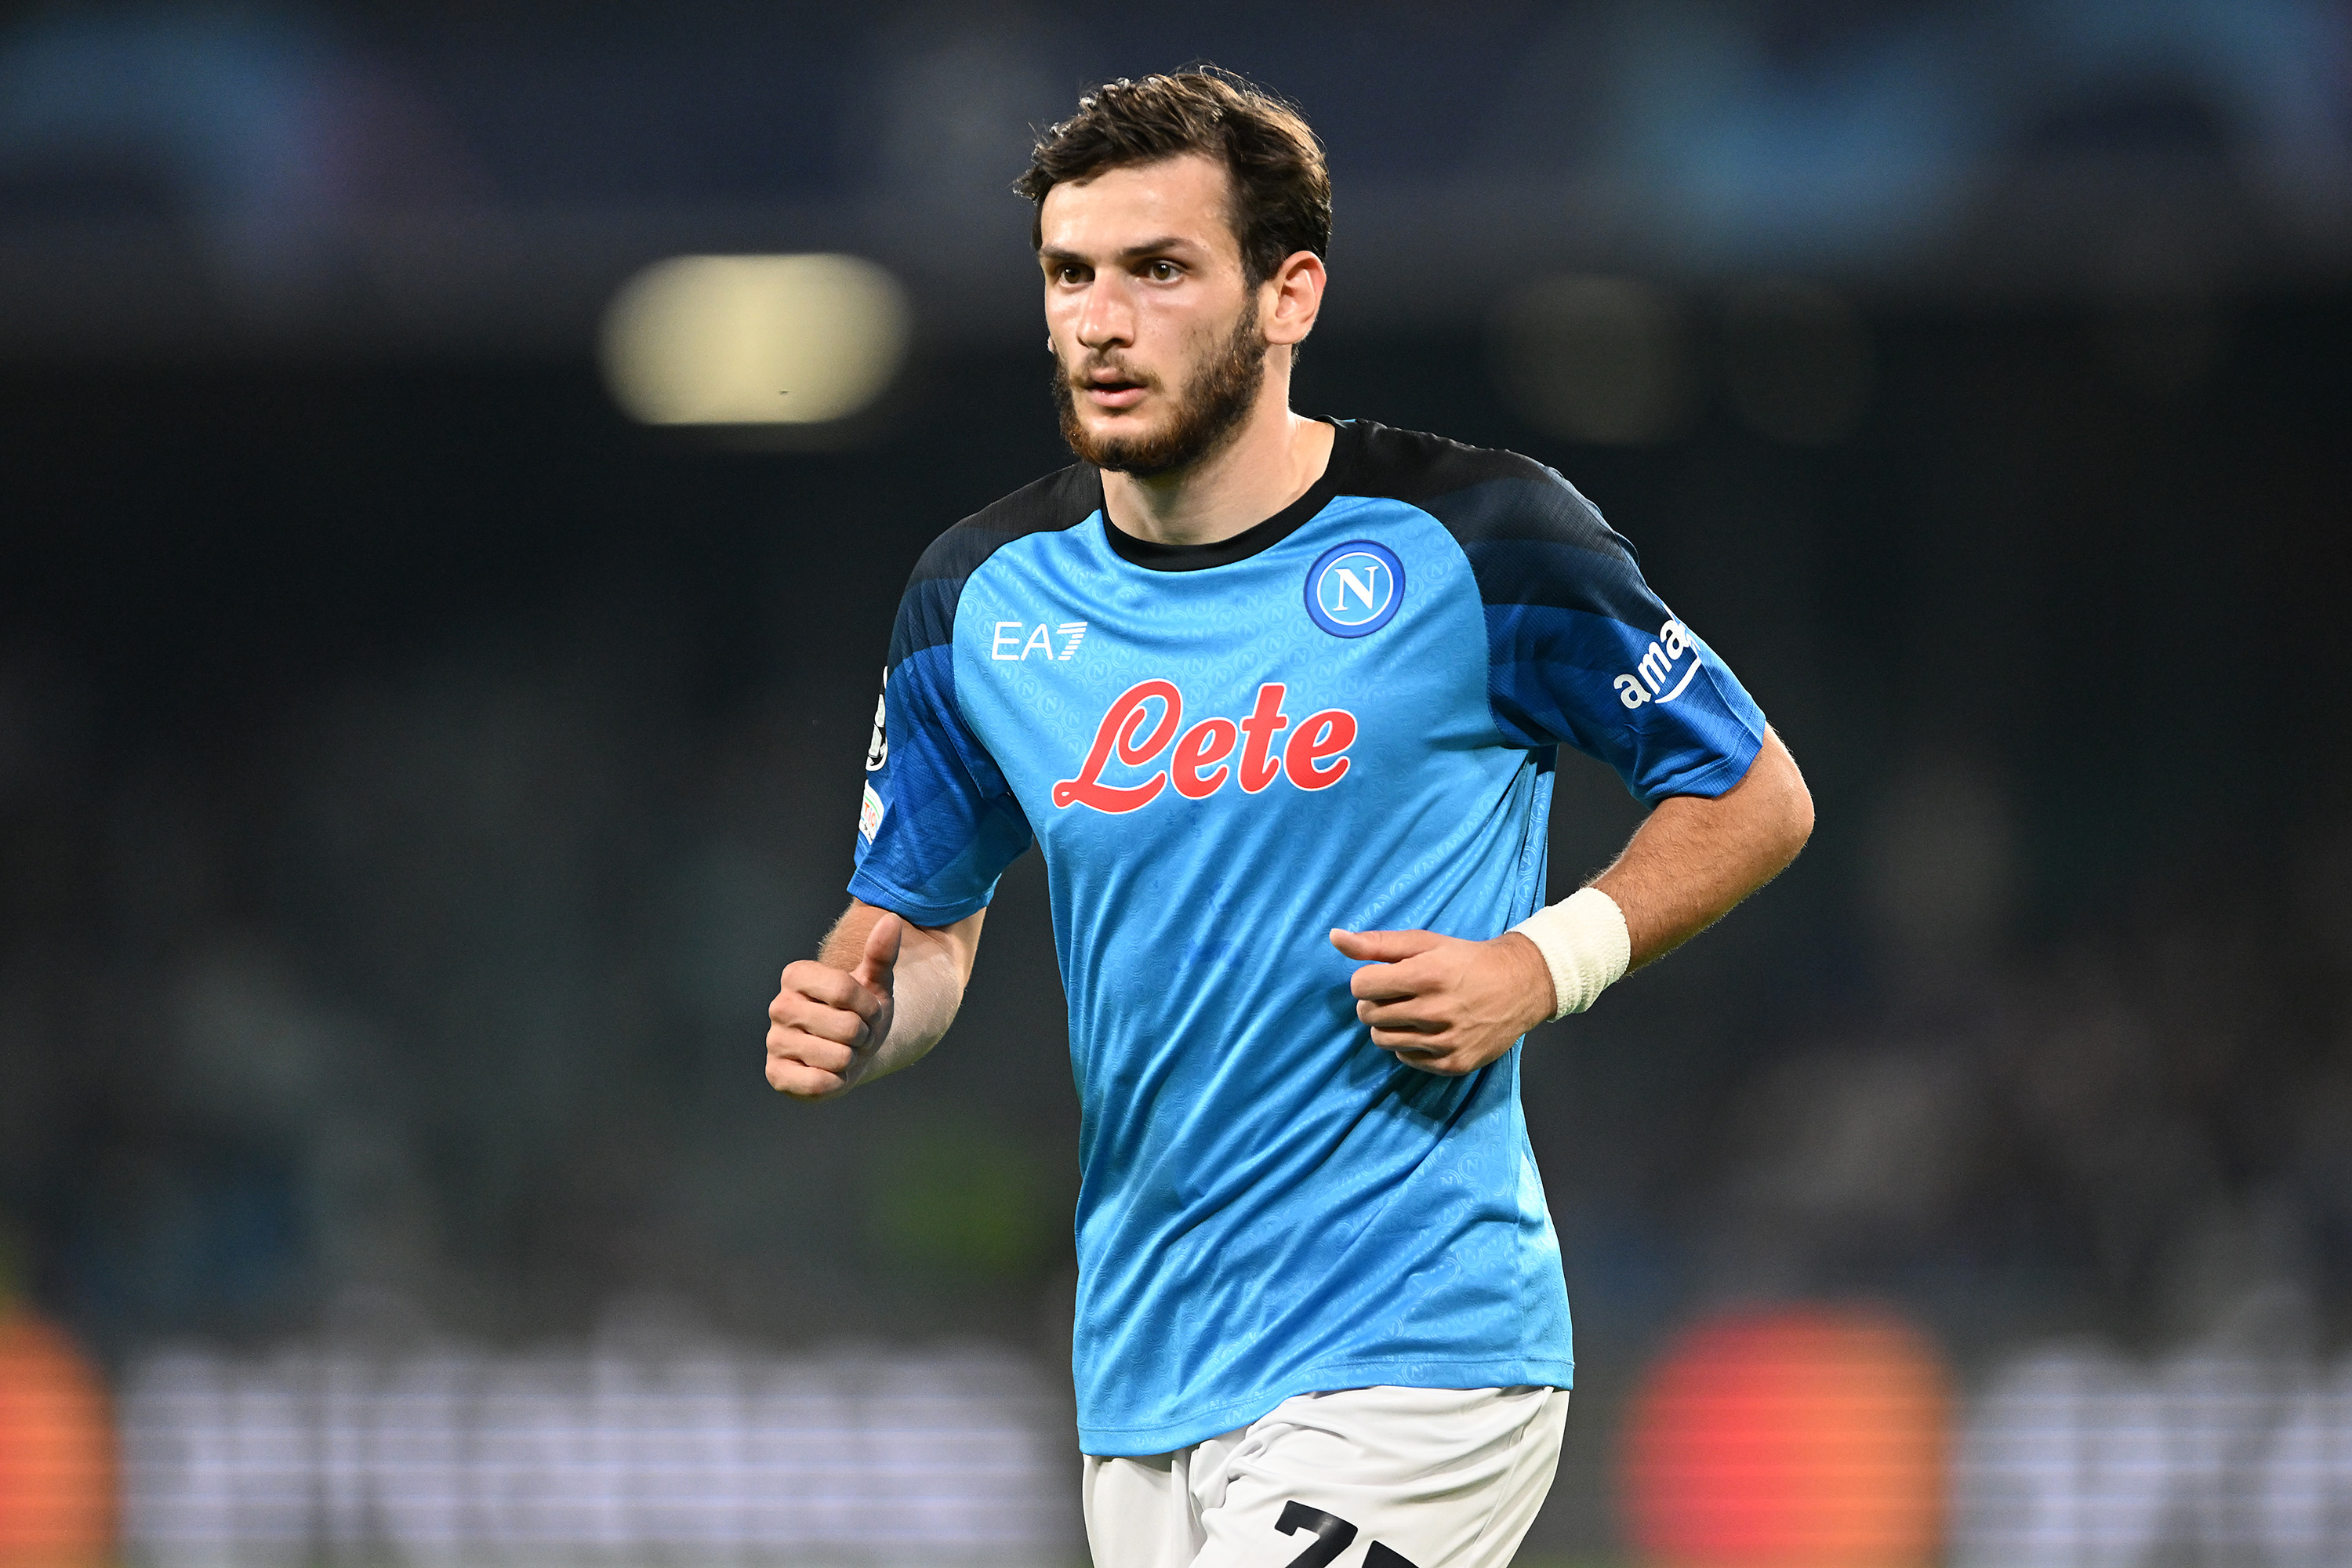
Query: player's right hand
827, 1024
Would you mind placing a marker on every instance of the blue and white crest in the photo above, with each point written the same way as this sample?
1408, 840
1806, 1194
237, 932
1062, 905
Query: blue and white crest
1353, 589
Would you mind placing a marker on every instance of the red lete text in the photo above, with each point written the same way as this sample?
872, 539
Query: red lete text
1147, 720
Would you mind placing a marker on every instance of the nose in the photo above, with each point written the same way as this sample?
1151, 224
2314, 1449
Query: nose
1107, 316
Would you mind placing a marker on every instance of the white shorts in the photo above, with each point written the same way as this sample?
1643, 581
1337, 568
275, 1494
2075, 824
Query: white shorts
1362, 1478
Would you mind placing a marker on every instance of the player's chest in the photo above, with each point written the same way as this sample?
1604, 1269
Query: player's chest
1310, 677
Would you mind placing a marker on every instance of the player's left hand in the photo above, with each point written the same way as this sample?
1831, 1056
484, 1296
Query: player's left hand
1443, 1005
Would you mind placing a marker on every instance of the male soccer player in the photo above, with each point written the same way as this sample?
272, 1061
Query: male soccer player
1280, 697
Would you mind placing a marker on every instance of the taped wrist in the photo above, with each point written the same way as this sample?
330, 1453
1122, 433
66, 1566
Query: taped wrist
1585, 946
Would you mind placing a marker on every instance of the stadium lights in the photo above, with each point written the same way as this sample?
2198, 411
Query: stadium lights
1798, 1435
754, 340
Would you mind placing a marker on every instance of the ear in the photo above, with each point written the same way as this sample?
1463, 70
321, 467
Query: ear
1293, 298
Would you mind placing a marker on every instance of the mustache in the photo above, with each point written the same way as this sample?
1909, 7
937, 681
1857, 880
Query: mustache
1079, 377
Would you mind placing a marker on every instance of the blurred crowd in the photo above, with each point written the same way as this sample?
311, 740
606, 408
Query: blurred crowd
447, 984
420, 1031
2139, 1132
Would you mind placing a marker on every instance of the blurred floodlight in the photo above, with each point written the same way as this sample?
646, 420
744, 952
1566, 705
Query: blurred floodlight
1812, 1436
1594, 359
57, 1459
1797, 362
754, 340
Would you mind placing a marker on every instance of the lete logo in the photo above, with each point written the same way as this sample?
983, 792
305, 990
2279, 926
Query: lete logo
1657, 667
1146, 719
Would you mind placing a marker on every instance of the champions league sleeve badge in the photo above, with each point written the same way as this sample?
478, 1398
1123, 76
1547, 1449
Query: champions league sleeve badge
1353, 589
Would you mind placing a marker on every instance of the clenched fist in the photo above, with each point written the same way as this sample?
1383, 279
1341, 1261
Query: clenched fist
1443, 1005
827, 1024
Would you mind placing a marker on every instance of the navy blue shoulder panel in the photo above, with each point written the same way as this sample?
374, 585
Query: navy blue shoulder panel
1579, 650
939, 823
1531, 538
927, 614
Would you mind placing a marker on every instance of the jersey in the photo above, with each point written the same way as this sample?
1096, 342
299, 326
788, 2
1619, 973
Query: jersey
1344, 716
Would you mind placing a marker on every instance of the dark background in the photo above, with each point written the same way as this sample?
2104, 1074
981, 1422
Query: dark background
413, 773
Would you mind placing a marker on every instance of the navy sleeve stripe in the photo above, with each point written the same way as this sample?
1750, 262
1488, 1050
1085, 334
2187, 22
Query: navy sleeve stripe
927, 614
1537, 505
1540, 572
1580, 651
1531, 536
949, 823
943, 822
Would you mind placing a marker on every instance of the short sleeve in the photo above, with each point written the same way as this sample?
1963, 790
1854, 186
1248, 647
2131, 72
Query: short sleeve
937, 824
1582, 653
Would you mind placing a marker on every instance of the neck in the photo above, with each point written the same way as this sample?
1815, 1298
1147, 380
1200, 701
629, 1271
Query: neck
1273, 460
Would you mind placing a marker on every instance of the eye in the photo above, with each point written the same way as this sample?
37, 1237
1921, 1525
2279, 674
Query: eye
1163, 271
1069, 272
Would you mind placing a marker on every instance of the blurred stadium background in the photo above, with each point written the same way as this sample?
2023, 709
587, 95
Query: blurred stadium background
433, 665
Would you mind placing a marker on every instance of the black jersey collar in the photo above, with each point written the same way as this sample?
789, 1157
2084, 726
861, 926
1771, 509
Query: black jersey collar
1249, 542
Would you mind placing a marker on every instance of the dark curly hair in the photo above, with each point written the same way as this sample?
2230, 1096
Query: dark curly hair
1281, 188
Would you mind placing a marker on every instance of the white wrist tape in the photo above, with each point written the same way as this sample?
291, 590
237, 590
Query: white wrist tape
1585, 946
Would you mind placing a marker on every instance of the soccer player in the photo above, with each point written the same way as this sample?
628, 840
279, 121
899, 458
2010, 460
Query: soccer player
1279, 699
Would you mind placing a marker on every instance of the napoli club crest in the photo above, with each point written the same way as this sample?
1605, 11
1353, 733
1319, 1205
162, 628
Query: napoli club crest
1353, 589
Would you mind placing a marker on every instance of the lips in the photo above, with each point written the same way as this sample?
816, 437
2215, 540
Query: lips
1114, 394
1110, 390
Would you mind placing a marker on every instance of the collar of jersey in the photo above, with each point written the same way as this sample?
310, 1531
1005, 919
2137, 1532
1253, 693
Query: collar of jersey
1157, 557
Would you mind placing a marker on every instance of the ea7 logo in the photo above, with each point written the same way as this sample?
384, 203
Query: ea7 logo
1010, 645
1143, 722
1648, 683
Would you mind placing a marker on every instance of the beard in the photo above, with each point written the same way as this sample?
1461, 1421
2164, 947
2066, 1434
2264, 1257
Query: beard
1207, 415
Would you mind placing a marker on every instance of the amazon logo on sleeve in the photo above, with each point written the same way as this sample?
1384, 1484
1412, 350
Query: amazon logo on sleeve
1661, 677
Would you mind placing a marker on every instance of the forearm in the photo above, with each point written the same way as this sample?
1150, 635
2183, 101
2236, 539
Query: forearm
934, 966
1694, 858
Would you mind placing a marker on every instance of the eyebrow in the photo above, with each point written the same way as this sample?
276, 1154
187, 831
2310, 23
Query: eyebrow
1055, 256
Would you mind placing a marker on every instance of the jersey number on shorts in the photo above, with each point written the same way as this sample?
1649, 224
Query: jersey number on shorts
1332, 1535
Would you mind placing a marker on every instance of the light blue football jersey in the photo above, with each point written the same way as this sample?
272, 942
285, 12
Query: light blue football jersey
1347, 716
